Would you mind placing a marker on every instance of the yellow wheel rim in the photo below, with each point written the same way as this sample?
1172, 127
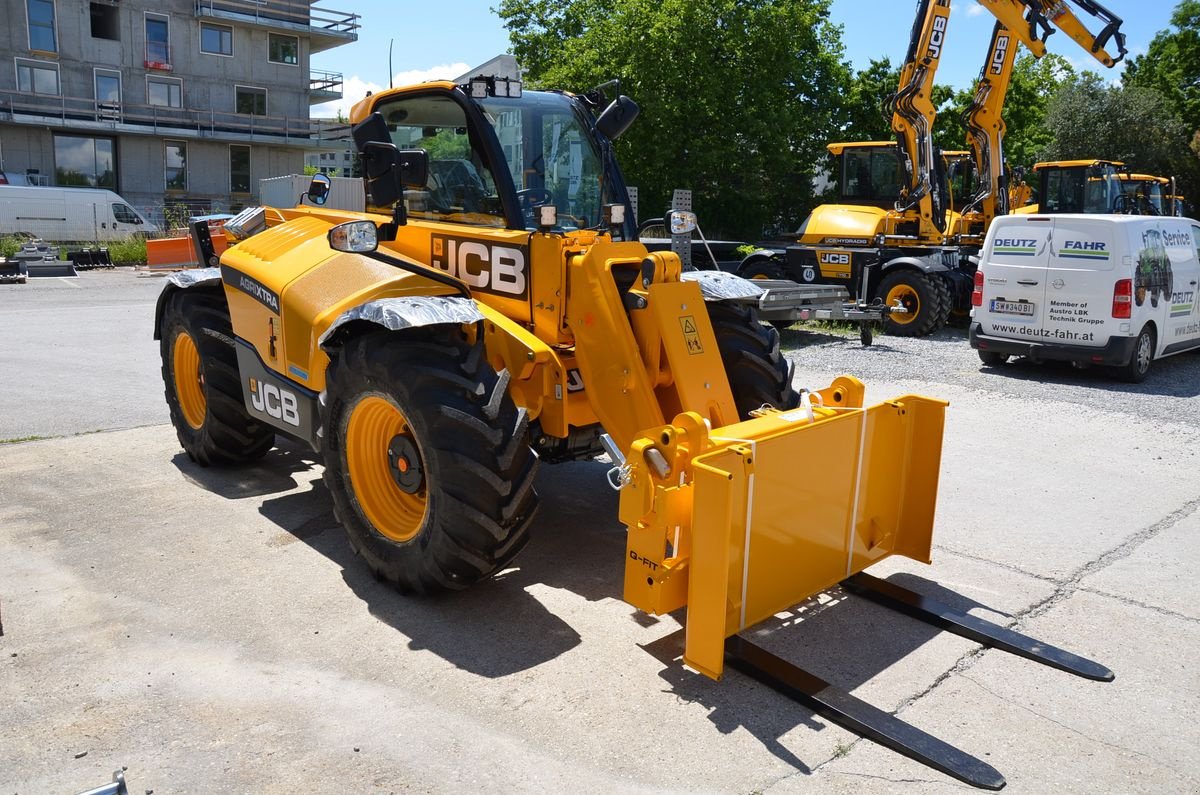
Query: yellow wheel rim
373, 425
908, 299
189, 381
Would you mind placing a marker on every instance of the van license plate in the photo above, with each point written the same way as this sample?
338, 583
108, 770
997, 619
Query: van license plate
1024, 308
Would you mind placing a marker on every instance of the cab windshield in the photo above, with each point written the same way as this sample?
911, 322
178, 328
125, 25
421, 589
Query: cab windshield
552, 156
548, 149
1080, 190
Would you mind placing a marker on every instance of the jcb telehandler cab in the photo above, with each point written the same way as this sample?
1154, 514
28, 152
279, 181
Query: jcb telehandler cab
490, 310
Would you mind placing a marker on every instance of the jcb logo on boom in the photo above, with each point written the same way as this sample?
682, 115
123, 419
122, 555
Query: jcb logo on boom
937, 38
999, 54
275, 402
484, 266
832, 258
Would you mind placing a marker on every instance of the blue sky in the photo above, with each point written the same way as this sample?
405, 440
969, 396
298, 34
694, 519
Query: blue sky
463, 33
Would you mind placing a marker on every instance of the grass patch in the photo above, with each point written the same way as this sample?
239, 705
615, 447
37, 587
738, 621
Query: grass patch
841, 749
20, 439
130, 251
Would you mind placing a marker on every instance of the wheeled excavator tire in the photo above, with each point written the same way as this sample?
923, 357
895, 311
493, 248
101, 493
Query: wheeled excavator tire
203, 389
759, 374
427, 459
919, 295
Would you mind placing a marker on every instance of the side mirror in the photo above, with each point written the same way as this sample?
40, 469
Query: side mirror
681, 222
617, 117
389, 171
318, 189
357, 237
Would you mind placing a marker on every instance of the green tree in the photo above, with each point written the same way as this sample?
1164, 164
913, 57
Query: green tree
738, 97
1171, 65
864, 116
1090, 119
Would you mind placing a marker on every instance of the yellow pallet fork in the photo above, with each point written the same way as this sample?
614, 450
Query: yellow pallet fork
717, 523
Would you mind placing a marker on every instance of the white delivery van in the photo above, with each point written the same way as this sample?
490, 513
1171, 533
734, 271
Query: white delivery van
1116, 290
83, 215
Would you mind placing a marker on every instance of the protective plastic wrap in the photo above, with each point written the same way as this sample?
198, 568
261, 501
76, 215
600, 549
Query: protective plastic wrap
722, 286
409, 312
191, 278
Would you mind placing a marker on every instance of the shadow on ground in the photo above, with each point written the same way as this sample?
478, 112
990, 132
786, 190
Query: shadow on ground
499, 628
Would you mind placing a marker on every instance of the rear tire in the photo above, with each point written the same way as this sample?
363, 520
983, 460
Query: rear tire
431, 473
203, 388
992, 359
759, 374
1139, 363
918, 294
761, 269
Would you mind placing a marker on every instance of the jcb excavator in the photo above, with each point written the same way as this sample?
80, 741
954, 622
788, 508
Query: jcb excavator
491, 309
894, 236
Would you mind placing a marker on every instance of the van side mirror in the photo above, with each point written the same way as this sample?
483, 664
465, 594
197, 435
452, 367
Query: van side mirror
617, 117
318, 189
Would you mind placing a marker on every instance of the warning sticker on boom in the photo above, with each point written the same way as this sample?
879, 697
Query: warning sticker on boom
691, 335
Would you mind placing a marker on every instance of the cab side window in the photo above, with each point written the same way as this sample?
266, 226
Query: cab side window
460, 187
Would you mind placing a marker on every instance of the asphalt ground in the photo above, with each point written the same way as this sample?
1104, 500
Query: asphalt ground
211, 629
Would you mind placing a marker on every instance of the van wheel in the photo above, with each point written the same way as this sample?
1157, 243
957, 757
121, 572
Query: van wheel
993, 359
1139, 363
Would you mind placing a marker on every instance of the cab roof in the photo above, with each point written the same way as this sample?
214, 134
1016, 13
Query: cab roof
838, 148
1076, 163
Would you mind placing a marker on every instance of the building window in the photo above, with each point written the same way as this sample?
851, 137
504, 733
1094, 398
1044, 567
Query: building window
105, 22
108, 86
176, 165
165, 92
41, 25
239, 169
216, 39
283, 49
158, 41
251, 101
37, 77
86, 162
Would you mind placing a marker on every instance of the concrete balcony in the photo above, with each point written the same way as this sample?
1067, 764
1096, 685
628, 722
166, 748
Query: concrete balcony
324, 86
325, 28
82, 115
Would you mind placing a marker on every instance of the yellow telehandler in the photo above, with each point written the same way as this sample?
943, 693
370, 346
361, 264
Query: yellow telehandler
492, 309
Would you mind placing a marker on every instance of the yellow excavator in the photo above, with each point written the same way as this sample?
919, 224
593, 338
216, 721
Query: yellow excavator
492, 309
894, 235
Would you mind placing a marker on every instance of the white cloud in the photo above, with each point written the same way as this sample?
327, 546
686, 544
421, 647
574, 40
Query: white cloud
975, 10
354, 88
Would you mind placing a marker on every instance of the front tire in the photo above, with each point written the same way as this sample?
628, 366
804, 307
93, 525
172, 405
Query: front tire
917, 293
430, 470
759, 374
203, 388
1138, 367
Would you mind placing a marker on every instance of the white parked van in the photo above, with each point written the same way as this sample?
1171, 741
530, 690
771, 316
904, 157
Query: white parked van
1118, 290
83, 215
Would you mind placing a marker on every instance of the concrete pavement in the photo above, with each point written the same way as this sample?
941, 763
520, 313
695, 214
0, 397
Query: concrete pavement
211, 629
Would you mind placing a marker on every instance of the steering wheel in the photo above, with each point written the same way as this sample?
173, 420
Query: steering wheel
532, 197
